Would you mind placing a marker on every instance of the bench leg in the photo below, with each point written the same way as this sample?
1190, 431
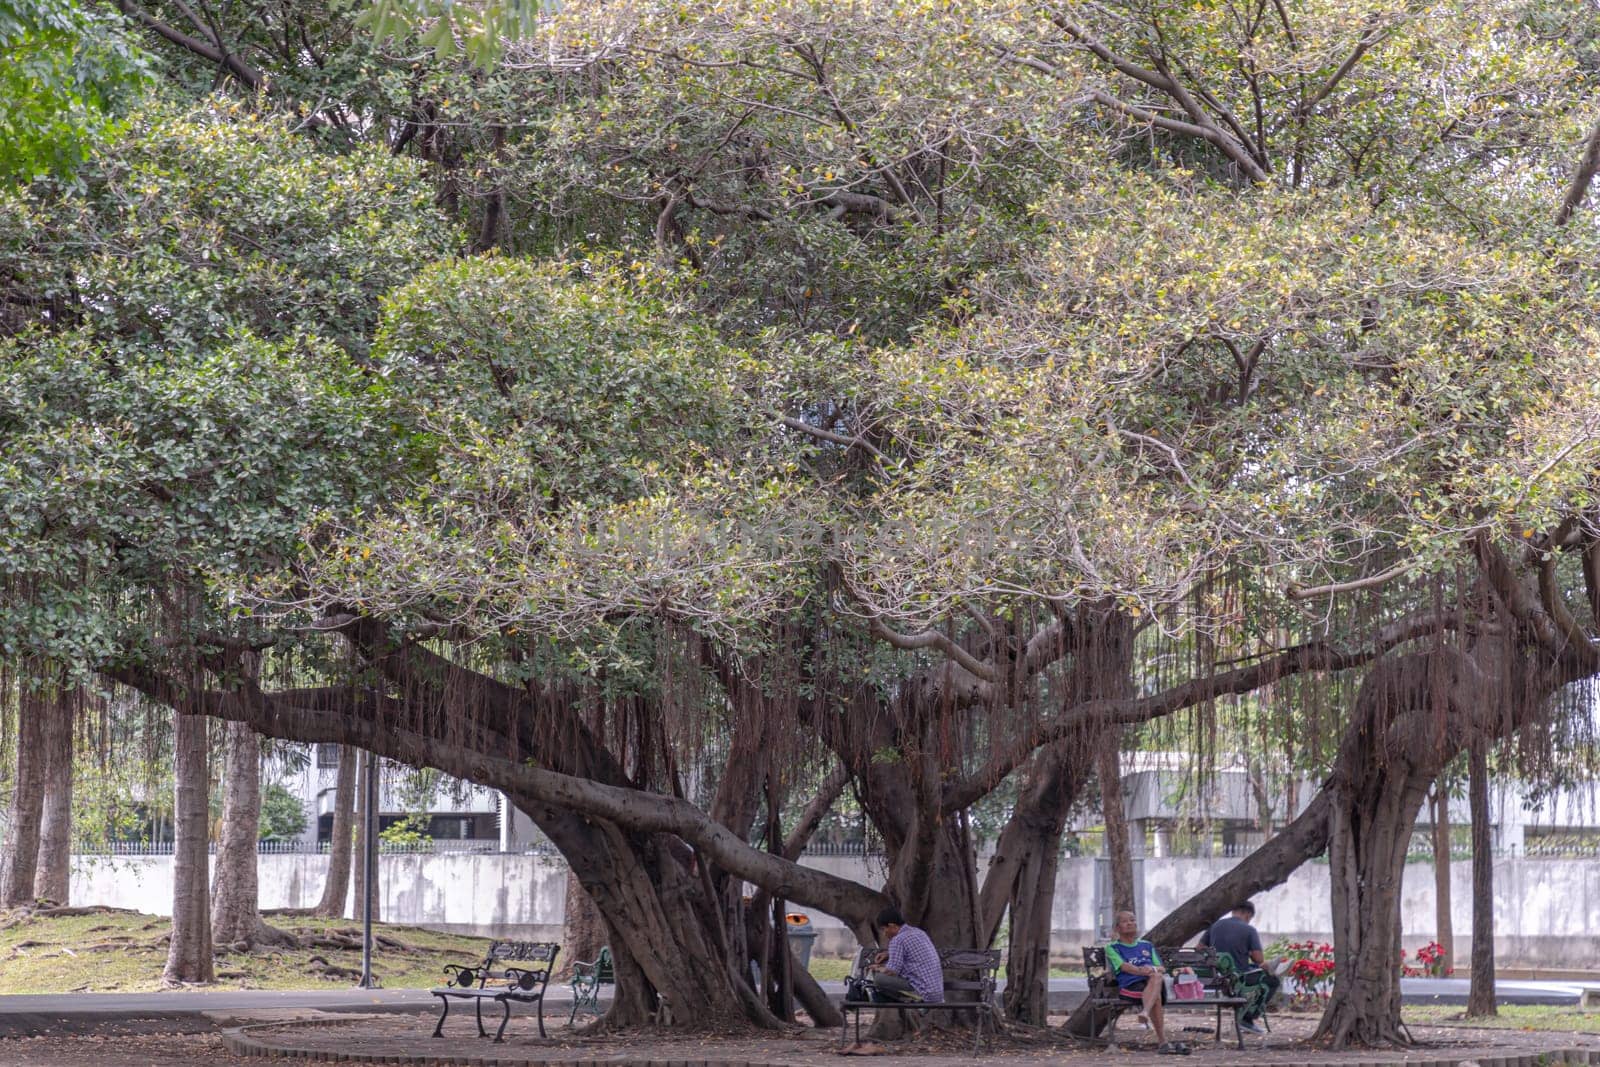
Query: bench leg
477, 1002
500, 1034
541, 1016
438, 1031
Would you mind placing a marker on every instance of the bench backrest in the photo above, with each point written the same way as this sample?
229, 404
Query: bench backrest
970, 970
529, 963
1203, 961
966, 970
1101, 980
602, 966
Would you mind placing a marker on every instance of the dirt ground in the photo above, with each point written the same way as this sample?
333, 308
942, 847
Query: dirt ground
159, 1044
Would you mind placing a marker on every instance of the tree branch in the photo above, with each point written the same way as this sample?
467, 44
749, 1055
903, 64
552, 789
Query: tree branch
330, 716
1582, 177
1302, 659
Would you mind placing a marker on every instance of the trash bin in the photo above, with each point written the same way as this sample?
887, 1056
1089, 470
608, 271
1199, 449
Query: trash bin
801, 937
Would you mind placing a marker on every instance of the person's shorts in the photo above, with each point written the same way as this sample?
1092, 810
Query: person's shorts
1136, 990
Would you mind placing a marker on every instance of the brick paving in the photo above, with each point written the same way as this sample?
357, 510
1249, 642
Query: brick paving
399, 1039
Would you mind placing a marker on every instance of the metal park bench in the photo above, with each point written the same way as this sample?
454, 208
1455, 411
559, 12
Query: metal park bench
523, 985
587, 978
969, 984
1107, 1004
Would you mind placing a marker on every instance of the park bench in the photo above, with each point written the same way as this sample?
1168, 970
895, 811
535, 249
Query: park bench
1107, 1005
587, 978
523, 985
969, 984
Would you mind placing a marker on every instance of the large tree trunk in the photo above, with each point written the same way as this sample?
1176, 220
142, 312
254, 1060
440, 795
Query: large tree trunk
21, 858
1410, 717
1444, 930
53, 879
1022, 872
1371, 833
1031, 845
1480, 994
336, 887
368, 765
235, 899
1108, 765
189, 953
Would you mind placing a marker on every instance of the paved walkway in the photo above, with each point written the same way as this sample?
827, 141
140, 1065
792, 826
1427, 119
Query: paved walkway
402, 1039
39, 1013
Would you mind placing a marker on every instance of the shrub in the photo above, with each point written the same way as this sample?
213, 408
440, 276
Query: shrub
1310, 972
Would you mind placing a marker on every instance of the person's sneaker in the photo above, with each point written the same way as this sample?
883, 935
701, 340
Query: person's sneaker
1251, 1028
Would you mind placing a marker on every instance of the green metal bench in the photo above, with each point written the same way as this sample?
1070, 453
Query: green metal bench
587, 978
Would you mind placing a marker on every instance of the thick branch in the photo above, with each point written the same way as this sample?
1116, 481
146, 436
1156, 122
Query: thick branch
1312, 656
211, 50
1582, 178
1268, 866
812, 816
334, 717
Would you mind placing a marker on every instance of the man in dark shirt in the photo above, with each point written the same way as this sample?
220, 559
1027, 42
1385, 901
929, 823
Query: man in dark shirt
1234, 935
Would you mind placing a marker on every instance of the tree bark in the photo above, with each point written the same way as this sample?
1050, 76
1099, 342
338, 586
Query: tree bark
21, 859
359, 875
1480, 994
583, 931
336, 887
1411, 716
53, 879
189, 952
235, 898
1444, 931
1022, 873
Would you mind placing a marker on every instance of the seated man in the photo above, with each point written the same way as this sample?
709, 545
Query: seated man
1141, 977
910, 969
1234, 935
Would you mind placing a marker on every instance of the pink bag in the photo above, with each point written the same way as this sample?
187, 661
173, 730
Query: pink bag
1188, 987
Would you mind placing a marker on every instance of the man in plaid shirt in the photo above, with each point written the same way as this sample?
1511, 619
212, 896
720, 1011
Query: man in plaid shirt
910, 969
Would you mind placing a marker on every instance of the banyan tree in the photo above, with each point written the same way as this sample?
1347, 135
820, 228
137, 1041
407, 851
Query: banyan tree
907, 430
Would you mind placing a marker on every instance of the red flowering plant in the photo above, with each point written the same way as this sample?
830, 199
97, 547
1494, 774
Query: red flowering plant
1430, 962
1310, 972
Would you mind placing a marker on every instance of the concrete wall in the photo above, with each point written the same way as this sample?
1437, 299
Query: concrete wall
1547, 911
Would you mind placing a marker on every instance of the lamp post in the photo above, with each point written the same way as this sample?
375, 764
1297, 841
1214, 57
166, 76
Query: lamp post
369, 869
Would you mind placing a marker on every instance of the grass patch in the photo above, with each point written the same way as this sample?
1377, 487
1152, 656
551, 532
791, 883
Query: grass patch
829, 970
124, 952
1511, 1017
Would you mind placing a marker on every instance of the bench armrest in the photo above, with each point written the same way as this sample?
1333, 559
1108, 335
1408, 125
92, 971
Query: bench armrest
464, 975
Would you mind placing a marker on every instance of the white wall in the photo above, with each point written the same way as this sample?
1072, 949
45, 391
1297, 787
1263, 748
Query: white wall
1547, 911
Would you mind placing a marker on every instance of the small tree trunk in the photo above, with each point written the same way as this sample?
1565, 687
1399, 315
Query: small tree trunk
359, 877
1109, 766
21, 859
53, 879
189, 953
336, 887
1480, 995
1444, 932
235, 898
